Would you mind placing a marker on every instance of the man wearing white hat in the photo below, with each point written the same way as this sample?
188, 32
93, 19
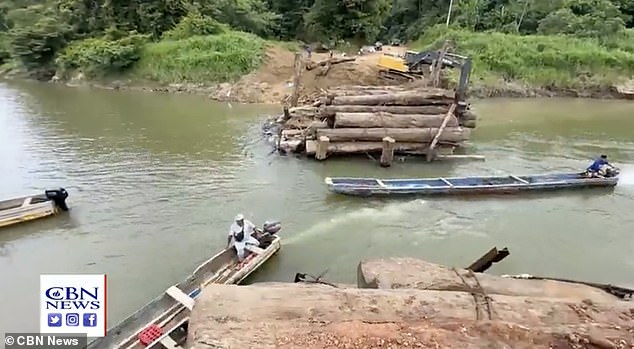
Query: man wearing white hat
240, 232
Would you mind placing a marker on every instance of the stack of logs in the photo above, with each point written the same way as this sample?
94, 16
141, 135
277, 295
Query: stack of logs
373, 119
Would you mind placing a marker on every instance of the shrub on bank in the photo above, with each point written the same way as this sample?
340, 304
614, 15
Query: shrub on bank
544, 61
97, 57
199, 59
194, 25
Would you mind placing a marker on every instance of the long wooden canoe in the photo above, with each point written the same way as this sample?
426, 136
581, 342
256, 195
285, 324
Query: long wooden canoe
463, 185
28, 208
168, 314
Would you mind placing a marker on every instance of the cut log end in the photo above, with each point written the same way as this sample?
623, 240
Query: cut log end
387, 152
322, 148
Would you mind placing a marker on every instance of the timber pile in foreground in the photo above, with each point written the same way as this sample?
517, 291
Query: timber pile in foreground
409, 303
378, 119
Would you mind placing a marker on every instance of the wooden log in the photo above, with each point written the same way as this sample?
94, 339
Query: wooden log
330, 61
440, 130
322, 148
450, 134
368, 87
289, 146
457, 156
311, 316
428, 97
292, 133
387, 153
303, 111
415, 273
297, 78
357, 93
469, 124
382, 119
332, 110
372, 147
486, 261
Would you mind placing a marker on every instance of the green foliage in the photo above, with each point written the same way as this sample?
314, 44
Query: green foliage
35, 46
35, 33
98, 57
214, 58
252, 16
5, 49
194, 24
548, 61
356, 19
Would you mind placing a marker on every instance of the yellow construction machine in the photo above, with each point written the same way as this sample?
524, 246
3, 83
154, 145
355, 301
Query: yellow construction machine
416, 65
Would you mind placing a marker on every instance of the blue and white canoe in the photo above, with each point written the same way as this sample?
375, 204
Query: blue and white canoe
464, 185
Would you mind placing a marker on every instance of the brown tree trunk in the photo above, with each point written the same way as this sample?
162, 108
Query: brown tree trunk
450, 134
423, 97
373, 147
331, 110
405, 272
382, 119
337, 60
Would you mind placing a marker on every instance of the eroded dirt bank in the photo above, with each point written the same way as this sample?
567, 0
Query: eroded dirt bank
408, 303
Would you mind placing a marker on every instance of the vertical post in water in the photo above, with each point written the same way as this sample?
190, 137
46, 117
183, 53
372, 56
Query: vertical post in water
322, 148
298, 65
387, 152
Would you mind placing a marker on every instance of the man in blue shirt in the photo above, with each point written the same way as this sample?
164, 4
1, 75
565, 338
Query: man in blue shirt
598, 166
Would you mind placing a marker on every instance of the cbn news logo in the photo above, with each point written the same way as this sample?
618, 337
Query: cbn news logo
73, 304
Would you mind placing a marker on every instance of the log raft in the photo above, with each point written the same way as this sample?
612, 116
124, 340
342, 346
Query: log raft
385, 120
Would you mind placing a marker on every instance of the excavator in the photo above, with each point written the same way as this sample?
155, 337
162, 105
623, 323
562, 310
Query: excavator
416, 65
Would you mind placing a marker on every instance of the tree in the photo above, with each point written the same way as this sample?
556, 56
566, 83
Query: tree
347, 19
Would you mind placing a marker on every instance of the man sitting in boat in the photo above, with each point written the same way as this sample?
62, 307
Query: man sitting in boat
599, 168
240, 232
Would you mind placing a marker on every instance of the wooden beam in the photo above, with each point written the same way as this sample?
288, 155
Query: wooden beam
181, 297
442, 127
493, 256
519, 179
446, 182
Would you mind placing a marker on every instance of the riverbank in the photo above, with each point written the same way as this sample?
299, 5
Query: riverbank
409, 303
240, 67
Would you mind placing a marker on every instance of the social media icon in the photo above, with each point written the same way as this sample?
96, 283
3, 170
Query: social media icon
72, 319
90, 320
54, 320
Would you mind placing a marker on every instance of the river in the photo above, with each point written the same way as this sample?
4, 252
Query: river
155, 181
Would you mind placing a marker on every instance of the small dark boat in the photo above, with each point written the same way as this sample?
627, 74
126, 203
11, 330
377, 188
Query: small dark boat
28, 208
465, 185
163, 322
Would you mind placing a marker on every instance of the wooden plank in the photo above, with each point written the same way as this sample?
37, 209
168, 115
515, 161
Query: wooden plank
181, 297
493, 256
442, 127
446, 182
519, 179
169, 343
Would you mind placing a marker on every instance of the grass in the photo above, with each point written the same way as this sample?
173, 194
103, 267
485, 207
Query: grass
539, 61
199, 59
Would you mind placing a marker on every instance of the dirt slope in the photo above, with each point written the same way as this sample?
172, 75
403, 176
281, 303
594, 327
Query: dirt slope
272, 83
